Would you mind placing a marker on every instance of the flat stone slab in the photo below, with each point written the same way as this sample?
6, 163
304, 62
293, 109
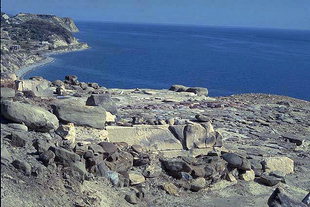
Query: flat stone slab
153, 137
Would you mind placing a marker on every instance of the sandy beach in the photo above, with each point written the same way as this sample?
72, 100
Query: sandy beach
48, 59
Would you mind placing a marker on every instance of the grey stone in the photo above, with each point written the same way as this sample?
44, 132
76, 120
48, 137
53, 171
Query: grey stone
202, 118
7, 93
104, 101
81, 115
279, 199
178, 88
47, 157
65, 156
175, 166
198, 90
22, 166
306, 200
33, 117
269, 180
20, 127
18, 139
6, 157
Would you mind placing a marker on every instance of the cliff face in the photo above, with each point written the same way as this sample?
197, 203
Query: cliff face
25, 37
64, 22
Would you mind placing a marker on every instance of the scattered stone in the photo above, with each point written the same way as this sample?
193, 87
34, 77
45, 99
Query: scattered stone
293, 139
136, 178
248, 175
81, 115
269, 180
6, 157
65, 156
152, 171
235, 161
131, 197
22, 166
230, 177
175, 167
198, 90
281, 164
279, 199
306, 200
137, 148
202, 118
33, 117
171, 189
110, 117
108, 147
103, 100
198, 184
71, 79
47, 157
67, 132
120, 161
178, 88
18, 139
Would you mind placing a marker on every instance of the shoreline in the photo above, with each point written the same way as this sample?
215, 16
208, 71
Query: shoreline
46, 60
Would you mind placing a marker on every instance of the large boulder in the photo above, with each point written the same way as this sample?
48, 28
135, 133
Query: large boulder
81, 115
102, 100
281, 164
33, 117
40, 87
197, 136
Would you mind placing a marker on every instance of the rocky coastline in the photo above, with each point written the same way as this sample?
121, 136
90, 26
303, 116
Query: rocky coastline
72, 143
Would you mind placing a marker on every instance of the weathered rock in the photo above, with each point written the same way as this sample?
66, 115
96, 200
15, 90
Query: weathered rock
7, 93
78, 169
178, 88
282, 164
202, 118
198, 90
306, 200
293, 139
22, 166
47, 157
235, 161
178, 132
230, 177
198, 184
197, 136
137, 148
108, 147
67, 132
131, 197
65, 156
155, 138
38, 87
19, 127
58, 83
71, 79
248, 175
104, 101
33, 117
110, 117
18, 139
279, 199
152, 171
175, 167
41, 145
120, 161
6, 156
171, 189
269, 180
136, 178
81, 115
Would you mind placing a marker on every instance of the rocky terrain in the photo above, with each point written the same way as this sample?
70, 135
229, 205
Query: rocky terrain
28, 38
71, 143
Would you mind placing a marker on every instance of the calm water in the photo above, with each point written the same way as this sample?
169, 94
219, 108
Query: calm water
225, 60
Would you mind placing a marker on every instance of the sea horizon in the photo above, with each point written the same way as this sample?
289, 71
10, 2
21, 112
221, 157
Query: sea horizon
120, 45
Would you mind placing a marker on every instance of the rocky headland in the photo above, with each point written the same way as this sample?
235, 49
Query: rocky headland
72, 143
27, 39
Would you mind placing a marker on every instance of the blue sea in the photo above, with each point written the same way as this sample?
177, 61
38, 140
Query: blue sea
223, 59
